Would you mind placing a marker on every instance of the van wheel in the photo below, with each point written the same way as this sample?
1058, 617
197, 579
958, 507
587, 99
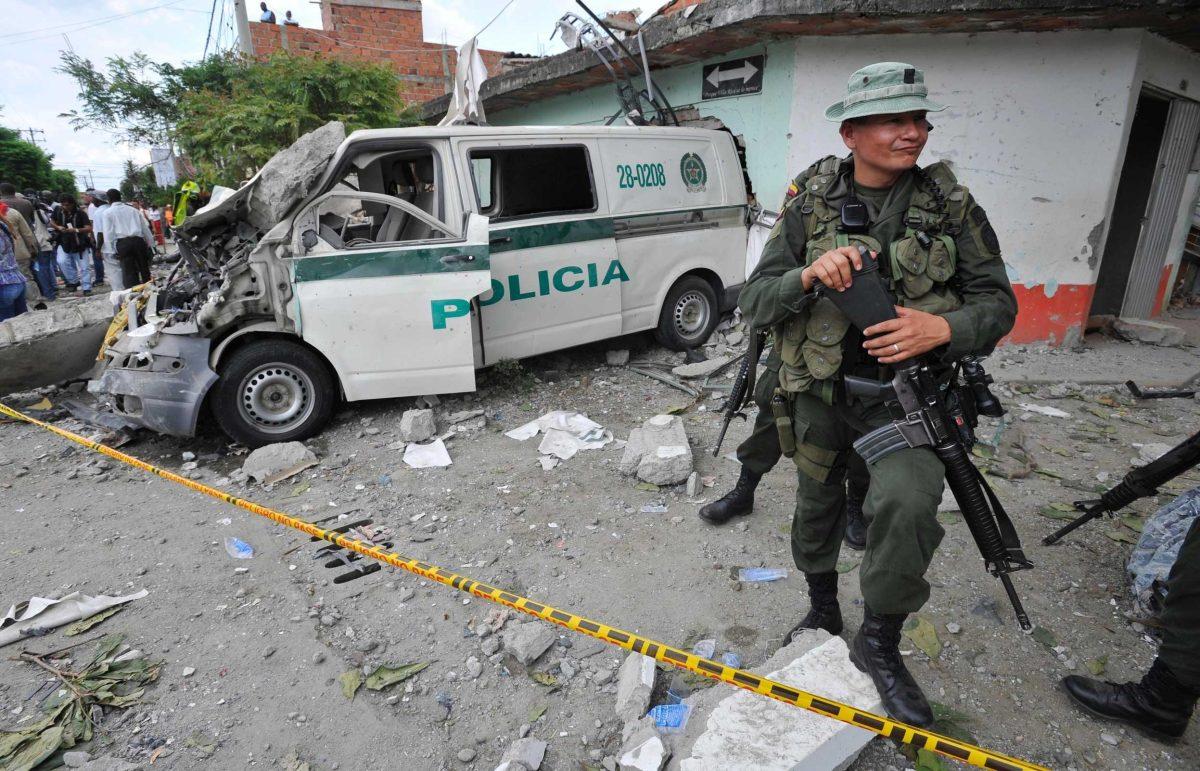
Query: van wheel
273, 391
689, 314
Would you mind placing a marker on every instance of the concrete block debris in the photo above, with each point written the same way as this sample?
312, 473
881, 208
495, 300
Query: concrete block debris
643, 751
617, 358
743, 730
526, 753
1040, 409
635, 682
417, 425
44, 347
1149, 332
659, 452
286, 178
701, 368
275, 462
528, 641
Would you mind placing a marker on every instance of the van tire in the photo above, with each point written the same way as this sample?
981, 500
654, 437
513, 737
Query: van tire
272, 391
689, 314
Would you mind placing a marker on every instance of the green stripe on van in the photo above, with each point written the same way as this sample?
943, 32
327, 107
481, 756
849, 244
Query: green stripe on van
507, 239
390, 262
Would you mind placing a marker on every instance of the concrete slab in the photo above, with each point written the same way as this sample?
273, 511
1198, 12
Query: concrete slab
46, 347
745, 730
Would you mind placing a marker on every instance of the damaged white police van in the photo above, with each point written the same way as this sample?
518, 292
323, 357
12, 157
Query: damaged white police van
396, 262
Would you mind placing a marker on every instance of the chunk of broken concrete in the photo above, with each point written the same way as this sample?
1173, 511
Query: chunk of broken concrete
287, 177
417, 425
526, 642
45, 347
658, 452
617, 358
276, 462
1149, 332
701, 368
643, 751
528, 752
635, 682
744, 730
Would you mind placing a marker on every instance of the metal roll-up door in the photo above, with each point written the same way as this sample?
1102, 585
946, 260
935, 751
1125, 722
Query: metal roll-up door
1174, 161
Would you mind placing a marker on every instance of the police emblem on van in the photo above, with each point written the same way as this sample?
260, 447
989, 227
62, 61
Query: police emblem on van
695, 176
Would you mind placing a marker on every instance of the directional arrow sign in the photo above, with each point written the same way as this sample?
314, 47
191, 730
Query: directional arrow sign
732, 78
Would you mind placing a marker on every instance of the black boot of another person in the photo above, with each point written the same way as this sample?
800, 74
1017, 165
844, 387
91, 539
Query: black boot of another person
1159, 705
876, 651
737, 502
856, 525
824, 611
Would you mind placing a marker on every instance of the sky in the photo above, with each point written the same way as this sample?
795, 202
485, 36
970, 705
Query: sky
33, 95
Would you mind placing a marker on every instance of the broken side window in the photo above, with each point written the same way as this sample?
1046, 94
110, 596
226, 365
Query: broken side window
346, 222
532, 181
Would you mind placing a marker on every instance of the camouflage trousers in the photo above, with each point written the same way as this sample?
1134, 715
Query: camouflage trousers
1181, 613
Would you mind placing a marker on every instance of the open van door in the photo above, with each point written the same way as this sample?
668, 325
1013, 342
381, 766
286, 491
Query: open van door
384, 291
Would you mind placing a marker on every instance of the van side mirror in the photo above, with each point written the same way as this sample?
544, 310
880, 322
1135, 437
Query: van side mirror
308, 239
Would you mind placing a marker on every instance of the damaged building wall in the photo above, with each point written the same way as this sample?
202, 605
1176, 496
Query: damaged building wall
1037, 128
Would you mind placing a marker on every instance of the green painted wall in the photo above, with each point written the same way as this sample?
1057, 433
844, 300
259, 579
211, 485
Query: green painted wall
761, 119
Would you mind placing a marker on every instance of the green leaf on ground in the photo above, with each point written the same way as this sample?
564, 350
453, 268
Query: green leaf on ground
1133, 522
202, 743
1097, 665
1044, 636
927, 761
646, 486
351, 680
300, 489
951, 722
387, 675
537, 712
1048, 473
1122, 535
983, 451
81, 626
845, 566
545, 678
921, 632
948, 517
1053, 512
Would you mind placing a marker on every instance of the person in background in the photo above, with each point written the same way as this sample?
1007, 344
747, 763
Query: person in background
8, 195
12, 283
268, 16
127, 233
288, 21
43, 262
104, 250
95, 214
74, 231
155, 215
25, 245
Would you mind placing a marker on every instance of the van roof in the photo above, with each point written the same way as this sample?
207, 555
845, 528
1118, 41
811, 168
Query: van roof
427, 132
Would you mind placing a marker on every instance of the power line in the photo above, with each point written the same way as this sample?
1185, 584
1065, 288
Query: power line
212, 12
57, 29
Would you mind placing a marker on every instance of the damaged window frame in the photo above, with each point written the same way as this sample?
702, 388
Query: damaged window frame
307, 222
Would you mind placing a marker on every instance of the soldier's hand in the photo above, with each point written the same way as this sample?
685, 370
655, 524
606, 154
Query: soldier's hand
912, 334
833, 268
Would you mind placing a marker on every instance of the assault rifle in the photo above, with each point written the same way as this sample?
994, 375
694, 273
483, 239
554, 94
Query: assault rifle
1141, 482
743, 386
927, 413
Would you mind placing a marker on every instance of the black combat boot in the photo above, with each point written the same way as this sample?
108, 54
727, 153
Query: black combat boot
824, 611
856, 526
1159, 705
876, 651
738, 501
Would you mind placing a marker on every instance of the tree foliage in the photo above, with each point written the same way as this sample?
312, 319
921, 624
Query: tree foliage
230, 114
26, 165
231, 133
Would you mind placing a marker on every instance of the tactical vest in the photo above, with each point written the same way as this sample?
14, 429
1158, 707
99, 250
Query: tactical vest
922, 262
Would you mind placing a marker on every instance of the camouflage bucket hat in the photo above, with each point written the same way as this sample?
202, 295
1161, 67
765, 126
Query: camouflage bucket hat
883, 89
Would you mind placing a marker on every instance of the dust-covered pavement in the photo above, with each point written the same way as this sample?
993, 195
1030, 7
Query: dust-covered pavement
268, 645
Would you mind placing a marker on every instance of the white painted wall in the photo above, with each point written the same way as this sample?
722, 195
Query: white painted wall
1035, 128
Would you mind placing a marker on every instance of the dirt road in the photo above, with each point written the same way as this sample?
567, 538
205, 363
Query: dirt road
269, 637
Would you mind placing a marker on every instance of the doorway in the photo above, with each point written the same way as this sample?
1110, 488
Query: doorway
1130, 207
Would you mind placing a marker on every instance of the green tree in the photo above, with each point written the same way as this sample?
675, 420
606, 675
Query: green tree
139, 183
138, 99
28, 166
229, 134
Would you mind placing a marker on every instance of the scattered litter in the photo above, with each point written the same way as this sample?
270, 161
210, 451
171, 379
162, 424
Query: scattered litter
671, 718
549, 462
38, 615
432, 455
276, 462
761, 575
1052, 412
237, 548
1158, 547
565, 434
731, 659
922, 633
654, 508
705, 649
79, 627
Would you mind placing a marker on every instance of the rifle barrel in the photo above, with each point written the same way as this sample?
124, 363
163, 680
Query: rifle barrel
1080, 521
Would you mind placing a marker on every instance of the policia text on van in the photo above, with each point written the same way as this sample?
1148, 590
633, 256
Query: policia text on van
418, 255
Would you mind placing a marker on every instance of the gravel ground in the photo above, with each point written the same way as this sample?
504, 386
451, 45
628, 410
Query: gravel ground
269, 637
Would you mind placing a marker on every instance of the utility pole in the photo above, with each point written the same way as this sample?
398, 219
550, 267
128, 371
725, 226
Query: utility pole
245, 44
33, 136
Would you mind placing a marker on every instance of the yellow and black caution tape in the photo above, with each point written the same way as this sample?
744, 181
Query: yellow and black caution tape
884, 726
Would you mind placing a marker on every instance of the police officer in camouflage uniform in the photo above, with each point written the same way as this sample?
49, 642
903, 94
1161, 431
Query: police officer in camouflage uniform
941, 259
